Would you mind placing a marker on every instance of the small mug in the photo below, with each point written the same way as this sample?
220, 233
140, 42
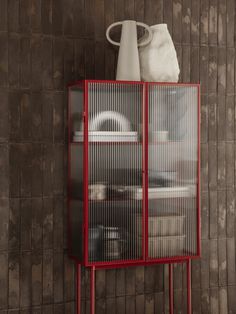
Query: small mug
160, 136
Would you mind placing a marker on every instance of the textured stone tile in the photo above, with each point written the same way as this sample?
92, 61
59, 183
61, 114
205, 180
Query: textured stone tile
25, 116
47, 67
203, 68
139, 303
223, 302
3, 15
205, 301
195, 22
14, 224
186, 21
4, 170
222, 262
221, 70
177, 21
69, 66
37, 62
25, 16
212, 161
205, 213
230, 22
47, 223
25, 224
100, 60
214, 301
230, 212
213, 19
58, 170
4, 226
37, 284
14, 116
195, 71
222, 22
58, 224
58, 277
36, 116
25, 170
3, 59
14, 61
58, 65
37, 170
58, 117
36, 16
3, 280
196, 301
4, 120
212, 117
205, 267
14, 280
57, 16
37, 223
230, 165
47, 276
13, 15
231, 300
153, 11
204, 167
221, 171
212, 74
25, 279
69, 277
214, 264
230, 71
25, 65
221, 118
230, 113
221, 214
46, 13
110, 283
231, 261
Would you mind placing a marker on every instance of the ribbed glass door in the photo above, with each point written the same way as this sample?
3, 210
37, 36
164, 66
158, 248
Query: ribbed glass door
115, 171
172, 170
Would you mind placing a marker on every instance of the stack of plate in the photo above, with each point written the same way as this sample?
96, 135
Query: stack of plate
104, 136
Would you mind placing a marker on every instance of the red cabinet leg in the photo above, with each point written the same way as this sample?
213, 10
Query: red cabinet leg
171, 295
92, 290
78, 286
189, 294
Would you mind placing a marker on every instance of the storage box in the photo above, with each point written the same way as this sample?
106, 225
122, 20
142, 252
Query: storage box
166, 246
164, 225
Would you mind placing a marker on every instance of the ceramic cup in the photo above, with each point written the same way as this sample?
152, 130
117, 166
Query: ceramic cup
160, 136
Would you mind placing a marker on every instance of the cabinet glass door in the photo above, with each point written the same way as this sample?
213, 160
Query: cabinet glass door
172, 170
115, 172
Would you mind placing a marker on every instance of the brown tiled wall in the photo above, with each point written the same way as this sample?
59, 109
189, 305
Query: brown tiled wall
44, 44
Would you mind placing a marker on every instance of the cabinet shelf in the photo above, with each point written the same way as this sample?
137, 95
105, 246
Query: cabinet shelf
107, 143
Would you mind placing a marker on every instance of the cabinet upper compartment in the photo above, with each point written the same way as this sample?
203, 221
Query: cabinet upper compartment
116, 111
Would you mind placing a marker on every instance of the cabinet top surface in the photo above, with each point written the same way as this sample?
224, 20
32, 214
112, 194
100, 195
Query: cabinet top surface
82, 82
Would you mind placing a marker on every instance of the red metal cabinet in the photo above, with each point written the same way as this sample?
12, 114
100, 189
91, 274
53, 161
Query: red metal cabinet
133, 179
133, 172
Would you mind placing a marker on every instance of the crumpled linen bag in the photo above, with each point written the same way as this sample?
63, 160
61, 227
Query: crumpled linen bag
158, 60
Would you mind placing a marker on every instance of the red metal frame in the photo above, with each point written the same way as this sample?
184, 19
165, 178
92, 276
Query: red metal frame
189, 295
171, 294
78, 289
86, 208
92, 290
145, 258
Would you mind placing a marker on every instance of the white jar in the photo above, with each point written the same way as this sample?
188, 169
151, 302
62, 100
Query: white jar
158, 59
